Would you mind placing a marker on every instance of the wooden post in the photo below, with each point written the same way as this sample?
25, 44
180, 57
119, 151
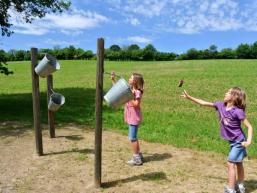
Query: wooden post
50, 113
36, 102
98, 111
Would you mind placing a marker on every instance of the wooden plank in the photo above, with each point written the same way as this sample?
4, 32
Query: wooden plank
50, 113
36, 102
98, 112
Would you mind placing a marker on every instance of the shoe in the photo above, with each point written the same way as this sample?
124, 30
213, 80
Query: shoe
229, 190
135, 161
240, 188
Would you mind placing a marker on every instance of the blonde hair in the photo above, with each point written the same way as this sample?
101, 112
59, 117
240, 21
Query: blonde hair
139, 81
238, 97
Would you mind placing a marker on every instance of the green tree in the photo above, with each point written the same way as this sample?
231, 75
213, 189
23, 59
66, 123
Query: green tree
112, 55
79, 53
243, 51
149, 52
133, 47
20, 55
254, 50
115, 48
192, 54
227, 53
29, 9
88, 55
3, 64
137, 54
213, 51
163, 56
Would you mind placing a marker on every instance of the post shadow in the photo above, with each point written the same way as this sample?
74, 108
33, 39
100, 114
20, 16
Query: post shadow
82, 151
71, 137
250, 185
156, 157
152, 176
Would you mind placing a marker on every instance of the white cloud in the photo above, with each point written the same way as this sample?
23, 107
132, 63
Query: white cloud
72, 33
60, 42
190, 16
30, 29
148, 8
133, 21
68, 23
80, 20
139, 39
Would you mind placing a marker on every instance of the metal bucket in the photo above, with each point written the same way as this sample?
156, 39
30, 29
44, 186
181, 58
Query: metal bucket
56, 100
47, 66
119, 94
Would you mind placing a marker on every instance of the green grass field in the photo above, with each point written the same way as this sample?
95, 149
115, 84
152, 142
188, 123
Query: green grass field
168, 118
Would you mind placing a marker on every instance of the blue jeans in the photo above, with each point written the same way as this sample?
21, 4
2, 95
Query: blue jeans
132, 135
237, 151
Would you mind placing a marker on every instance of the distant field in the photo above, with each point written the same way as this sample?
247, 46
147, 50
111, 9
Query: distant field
168, 118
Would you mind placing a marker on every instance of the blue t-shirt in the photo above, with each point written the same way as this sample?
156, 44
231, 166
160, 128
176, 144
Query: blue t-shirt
230, 122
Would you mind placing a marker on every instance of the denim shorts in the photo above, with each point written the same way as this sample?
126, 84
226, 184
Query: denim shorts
132, 135
237, 151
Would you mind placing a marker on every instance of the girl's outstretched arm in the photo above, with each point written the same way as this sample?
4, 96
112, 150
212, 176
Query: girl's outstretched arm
198, 101
249, 135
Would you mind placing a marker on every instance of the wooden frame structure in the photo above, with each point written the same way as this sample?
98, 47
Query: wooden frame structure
36, 103
98, 107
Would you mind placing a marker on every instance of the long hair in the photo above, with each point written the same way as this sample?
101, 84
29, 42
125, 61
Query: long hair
139, 81
238, 97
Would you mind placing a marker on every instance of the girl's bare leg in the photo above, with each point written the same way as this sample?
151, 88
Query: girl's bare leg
231, 175
240, 172
135, 146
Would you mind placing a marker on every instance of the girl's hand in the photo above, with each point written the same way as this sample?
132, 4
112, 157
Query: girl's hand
245, 143
185, 95
113, 75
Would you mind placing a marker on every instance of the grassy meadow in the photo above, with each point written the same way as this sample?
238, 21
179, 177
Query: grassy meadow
168, 118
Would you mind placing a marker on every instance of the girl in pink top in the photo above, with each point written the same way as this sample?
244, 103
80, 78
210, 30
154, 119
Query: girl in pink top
133, 116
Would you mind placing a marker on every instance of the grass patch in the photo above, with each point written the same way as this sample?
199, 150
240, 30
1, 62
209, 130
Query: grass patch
168, 119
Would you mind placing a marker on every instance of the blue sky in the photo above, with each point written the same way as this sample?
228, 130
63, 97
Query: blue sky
170, 25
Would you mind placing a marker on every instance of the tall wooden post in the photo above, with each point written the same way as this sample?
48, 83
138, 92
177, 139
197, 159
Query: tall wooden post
36, 102
50, 113
98, 112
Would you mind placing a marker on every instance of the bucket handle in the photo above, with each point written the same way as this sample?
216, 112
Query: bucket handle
115, 74
52, 91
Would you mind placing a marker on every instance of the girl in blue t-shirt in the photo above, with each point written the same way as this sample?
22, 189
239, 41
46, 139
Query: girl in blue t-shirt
232, 113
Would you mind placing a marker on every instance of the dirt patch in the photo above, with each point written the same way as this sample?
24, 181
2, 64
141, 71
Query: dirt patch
68, 165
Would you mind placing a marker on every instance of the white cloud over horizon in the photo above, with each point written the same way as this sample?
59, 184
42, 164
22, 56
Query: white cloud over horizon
61, 42
67, 23
190, 16
139, 39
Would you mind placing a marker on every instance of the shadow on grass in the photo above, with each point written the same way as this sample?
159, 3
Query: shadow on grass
71, 137
14, 128
152, 176
79, 108
75, 150
250, 185
156, 157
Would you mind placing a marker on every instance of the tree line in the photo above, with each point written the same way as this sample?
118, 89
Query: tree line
134, 52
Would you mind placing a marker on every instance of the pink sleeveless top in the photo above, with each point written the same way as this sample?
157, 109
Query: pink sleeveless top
132, 115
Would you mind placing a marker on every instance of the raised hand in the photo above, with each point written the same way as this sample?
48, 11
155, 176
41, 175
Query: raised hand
185, 95
113, 75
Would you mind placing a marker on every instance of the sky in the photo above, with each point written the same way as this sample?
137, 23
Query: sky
170, 25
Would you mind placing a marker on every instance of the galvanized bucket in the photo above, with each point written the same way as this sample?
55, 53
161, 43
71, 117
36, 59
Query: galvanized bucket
119, 94
47, 66
56, 101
